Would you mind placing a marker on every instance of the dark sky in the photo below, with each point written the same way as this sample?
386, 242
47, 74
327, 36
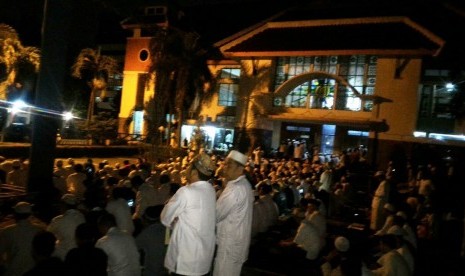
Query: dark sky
98, 21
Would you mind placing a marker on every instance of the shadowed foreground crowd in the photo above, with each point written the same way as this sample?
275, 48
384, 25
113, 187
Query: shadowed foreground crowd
326, 215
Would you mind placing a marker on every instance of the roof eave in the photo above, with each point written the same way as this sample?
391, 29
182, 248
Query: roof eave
377, 52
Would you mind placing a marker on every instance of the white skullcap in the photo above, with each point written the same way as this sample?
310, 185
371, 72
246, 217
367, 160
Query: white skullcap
69, 199
239, 157
402, 215
389, 207
342, 244
23, 207
16, 164
397, 231
380, 173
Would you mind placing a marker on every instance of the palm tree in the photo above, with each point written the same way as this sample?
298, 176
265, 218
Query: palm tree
179, 64
95, 69
19, 65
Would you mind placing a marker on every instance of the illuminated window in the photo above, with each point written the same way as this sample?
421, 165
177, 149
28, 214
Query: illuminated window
436, 101
228, 86
327, 138
230, 73
225, 119
359, 71
227, 95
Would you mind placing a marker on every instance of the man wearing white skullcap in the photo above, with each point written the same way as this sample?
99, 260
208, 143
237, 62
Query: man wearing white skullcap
64, 226
234, 210
16, 241
341, 261
380, 198
190, 213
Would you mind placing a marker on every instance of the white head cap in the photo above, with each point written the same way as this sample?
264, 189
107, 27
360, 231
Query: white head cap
397, 231
402, 214
389, 207
23, 207
69, 199
342, 244
239, 157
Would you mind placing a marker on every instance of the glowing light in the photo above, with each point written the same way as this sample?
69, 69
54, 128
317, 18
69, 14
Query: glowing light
17, 107
450, 86
419, 134
68, 116
441, 136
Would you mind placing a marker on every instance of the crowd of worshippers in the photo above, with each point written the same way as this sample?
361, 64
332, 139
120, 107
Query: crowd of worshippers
202, 214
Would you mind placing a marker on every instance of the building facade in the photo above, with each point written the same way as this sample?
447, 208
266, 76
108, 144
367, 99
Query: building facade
332, 84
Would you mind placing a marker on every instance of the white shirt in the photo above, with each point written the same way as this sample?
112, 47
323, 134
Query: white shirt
64, 228
308, 238
234, 211
16, 247
75, 184
146, 196
17, 177
411, 236
319, 221
121, 249
408, 257
392, 264
122, 212
325, 180
163, 193
192, 243
270, 214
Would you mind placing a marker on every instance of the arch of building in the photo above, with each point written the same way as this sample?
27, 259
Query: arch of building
289, 85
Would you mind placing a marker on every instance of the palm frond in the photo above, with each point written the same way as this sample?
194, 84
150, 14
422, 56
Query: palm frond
85, 65
7, 32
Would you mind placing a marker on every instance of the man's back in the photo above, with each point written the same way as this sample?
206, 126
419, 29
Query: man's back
194, 231
16, 245
121, 249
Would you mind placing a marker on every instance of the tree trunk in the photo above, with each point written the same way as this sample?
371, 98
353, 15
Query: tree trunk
49, 91
90, 110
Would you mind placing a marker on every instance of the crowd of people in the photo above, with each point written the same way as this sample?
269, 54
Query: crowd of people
204, 214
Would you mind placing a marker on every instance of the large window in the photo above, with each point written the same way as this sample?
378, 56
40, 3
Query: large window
435, 101
228, 86
327, 138
359, 71
438, 101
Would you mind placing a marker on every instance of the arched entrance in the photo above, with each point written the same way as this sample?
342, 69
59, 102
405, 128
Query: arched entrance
319, 90
327, 133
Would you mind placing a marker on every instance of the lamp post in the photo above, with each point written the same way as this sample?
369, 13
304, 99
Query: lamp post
161, 129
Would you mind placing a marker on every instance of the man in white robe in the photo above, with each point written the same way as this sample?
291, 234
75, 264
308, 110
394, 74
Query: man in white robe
190, 213
234, 211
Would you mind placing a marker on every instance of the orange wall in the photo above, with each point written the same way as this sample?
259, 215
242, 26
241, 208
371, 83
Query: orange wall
133, 48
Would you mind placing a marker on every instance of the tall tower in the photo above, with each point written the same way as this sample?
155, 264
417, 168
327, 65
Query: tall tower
137, 84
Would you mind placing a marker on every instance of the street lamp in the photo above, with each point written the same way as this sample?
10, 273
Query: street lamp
161, 129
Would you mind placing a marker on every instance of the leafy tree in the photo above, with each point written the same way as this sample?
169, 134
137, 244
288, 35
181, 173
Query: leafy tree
95, 69
19, 65
179, 64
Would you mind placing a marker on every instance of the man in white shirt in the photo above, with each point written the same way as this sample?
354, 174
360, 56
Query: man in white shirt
234, 210
391, 262
191, 215
16, 241
75, 182
64, 226
120, 247
119, 208
146, 196
317, 219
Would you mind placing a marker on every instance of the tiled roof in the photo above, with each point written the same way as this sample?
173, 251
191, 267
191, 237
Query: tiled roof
388, 36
